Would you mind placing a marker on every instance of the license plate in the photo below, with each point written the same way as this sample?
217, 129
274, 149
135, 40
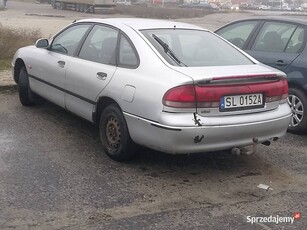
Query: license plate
239, 102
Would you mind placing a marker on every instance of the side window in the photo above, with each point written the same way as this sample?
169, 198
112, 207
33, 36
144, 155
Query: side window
127, 55
274, 37
67, 42
296, 42
100, 45
238, 33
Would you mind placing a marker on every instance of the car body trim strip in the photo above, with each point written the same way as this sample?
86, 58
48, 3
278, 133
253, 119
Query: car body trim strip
155, 124
64, 90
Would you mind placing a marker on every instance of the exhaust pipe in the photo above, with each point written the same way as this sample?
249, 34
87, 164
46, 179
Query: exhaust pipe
246, 150
236, 151
266, 143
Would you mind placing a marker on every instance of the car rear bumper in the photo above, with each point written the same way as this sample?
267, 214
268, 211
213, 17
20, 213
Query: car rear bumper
206, 134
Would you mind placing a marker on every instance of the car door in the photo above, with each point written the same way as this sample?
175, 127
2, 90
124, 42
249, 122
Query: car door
51, 64
92, 70
277, 44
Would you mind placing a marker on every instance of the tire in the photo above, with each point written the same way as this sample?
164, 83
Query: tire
25, 93
114, 134
62, 6
81, 8
53, 4
298, 102
92, 9
26, 96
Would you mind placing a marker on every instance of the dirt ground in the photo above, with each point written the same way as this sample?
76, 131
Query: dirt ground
53, 174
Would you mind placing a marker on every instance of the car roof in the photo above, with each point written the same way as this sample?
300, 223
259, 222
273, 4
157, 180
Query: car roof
142, 23
278, 18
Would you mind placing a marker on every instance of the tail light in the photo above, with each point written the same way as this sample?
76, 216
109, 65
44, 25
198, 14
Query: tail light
278, 92
208, 96
180, 97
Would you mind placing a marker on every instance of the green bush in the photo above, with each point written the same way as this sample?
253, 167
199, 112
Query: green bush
13, 39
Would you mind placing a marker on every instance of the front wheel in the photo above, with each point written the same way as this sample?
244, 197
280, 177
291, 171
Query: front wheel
298, 103
114, 134
26, 96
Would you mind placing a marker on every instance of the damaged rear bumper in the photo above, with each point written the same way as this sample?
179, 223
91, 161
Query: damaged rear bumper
190, 133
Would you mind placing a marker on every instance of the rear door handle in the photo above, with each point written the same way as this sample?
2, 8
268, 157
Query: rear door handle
61, 64
101, 75
281, 63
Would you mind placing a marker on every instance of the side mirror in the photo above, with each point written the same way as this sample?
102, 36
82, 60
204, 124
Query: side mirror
42, 43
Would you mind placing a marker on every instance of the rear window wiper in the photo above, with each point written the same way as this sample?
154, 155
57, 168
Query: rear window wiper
168, 50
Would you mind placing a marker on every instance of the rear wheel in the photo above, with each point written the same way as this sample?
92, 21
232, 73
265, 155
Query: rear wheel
114, 134
92, 9
298, 103
81, 7
62, 6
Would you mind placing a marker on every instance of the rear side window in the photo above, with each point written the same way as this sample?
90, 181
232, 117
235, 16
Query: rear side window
68, 41
274, 37
238, 33
297, 41
195, 48
127, 54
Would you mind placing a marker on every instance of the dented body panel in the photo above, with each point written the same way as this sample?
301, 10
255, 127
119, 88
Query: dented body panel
182, 134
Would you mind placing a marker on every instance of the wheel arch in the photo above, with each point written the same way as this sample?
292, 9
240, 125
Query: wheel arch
102, 103
297, 86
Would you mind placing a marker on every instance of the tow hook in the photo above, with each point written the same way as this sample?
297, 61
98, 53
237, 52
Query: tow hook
246, 150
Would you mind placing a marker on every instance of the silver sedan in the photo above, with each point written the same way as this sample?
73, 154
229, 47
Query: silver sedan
169, 86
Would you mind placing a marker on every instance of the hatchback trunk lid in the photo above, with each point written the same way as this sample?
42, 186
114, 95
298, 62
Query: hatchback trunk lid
230, 90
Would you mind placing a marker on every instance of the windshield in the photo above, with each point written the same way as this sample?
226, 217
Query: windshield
194, 48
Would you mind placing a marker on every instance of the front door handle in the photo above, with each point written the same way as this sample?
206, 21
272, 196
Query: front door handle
280, 63
101, 76
61, 64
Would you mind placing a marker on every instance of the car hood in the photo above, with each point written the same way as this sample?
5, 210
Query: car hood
207, 73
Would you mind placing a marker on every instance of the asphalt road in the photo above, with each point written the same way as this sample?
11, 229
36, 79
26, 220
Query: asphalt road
54, 174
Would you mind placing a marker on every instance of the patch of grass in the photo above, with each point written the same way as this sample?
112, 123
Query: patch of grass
5, 63
12, 39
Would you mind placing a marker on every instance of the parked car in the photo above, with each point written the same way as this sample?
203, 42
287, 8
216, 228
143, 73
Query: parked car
281, 43
246, 6
235, 7
286, 8
123, 2
226, 5
263, 7
170, 86
207, 6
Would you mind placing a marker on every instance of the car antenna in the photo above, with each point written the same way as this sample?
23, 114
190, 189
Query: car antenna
174, 27
74, 21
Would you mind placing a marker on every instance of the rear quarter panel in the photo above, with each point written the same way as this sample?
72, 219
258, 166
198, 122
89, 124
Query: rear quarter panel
147, 83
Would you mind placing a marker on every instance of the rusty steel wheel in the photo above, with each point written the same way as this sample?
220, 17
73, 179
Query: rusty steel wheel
112, 130
114, 134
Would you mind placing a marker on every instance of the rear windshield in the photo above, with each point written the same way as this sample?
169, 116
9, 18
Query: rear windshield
194, 48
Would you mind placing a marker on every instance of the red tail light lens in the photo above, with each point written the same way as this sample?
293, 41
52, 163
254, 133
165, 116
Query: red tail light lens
208, 96
180, 97
278, 92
